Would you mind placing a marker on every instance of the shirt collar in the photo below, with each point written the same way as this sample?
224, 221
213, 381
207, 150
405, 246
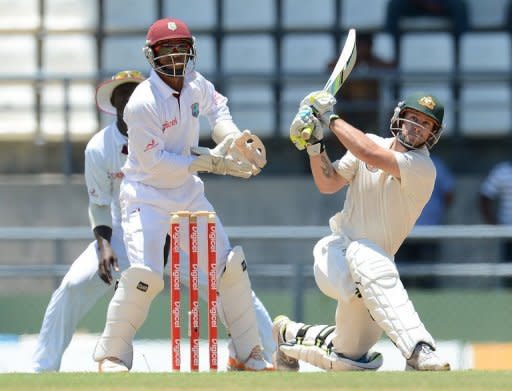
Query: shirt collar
163, 88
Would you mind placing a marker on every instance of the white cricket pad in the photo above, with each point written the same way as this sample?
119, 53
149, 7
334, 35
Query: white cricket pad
236, 307
127, 312
378, 281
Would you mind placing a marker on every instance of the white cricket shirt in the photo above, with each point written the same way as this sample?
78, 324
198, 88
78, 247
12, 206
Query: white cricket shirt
378, 206
104, 158
163, 125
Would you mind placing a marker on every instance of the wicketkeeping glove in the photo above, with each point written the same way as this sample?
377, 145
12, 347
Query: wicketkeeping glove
246, 146
218, 161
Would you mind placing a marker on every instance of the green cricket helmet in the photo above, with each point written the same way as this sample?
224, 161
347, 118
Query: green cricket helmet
426, 104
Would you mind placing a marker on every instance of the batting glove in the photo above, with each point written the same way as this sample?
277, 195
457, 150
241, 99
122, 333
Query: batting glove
305, 120
322, 103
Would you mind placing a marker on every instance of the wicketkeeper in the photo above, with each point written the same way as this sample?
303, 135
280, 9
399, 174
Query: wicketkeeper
161, 177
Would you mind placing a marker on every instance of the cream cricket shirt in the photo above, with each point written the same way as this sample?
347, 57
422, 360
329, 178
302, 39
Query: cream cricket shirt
162, 128
104, 158
378, 206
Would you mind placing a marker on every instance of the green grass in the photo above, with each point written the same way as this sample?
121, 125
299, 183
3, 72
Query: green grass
466, 380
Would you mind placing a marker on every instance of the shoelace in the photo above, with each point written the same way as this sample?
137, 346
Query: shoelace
426, 349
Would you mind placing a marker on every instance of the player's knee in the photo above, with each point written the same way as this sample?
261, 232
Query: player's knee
331, 271
324, 284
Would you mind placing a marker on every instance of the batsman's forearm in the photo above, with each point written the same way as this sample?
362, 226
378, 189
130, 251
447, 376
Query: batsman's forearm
327, 180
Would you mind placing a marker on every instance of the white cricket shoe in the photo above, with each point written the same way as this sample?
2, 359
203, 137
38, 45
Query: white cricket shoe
112, 365
281, 361
424, 358
255, 362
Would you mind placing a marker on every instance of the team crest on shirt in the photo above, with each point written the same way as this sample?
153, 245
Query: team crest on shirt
371, 168
195, 109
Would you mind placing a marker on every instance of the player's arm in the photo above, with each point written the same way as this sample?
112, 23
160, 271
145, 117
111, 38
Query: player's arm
327, 180
244, 146
99, 189
364, 148
101, 222
486, 205
359, 144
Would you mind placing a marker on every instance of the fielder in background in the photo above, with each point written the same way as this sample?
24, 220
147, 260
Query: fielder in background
161, 177
91, 274
389, 182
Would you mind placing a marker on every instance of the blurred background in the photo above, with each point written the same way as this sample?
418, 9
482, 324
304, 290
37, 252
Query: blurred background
265, 55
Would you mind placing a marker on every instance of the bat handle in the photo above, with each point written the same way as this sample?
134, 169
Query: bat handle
306, 133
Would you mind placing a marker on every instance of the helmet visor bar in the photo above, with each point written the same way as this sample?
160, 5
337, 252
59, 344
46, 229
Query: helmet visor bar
413, 139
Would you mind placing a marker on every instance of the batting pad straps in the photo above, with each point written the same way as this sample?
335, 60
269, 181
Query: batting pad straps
301, 334
379, 284
223, 129
127, 312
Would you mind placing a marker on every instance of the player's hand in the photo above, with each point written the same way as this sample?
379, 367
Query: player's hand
305, 120
219, 161
246, 146
107, 262
322, 103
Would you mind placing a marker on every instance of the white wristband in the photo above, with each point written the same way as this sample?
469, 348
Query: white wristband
223, 129
316, 148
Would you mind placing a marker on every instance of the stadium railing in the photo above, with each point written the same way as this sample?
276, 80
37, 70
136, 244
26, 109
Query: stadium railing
296, 272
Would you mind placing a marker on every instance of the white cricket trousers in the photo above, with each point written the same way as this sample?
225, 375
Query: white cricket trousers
79, 290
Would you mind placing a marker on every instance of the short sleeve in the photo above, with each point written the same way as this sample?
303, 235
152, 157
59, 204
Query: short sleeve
417, 173
347, 166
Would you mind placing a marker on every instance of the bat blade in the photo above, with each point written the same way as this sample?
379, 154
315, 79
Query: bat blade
344, 65
340, 73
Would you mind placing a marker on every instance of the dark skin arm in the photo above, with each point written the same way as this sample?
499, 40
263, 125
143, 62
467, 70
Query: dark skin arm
487, 210
108, 258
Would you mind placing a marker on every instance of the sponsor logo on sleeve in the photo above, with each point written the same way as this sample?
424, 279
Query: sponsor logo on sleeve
116, 175
152, 144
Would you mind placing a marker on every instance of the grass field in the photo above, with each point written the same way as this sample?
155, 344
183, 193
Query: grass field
322, 381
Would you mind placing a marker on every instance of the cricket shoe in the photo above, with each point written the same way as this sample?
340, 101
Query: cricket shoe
281, 361
424, 358
255, 362
112, 365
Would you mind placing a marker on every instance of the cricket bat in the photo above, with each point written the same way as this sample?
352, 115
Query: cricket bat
340, 72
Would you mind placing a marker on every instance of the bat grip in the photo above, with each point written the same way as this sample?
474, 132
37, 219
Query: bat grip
306, 133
